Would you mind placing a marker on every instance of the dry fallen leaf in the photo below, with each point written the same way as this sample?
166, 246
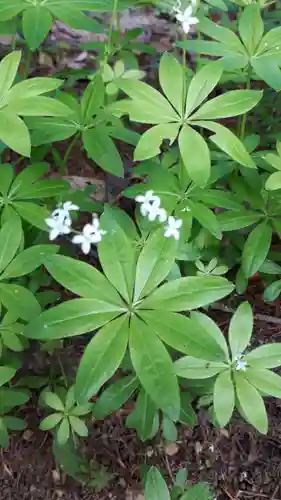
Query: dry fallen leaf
171, 449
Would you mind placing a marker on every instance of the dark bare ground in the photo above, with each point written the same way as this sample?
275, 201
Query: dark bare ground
239, 463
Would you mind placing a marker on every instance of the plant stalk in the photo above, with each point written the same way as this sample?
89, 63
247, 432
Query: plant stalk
27, 64
113, 19
68, 151
244, 117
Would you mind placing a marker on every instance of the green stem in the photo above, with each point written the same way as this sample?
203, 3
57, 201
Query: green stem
244, 117
68, 151
27, 64
109, 43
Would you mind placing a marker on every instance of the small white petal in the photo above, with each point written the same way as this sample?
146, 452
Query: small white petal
86, 246
78, 239
54, 233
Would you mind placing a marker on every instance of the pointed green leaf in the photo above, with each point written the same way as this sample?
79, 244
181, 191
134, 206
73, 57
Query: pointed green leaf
154, 368
37, 22
10, 239
103, 151
256, 248
233, 103
78, 426
6, 177
28, 260
71, 318
115, 396
273, 182
197, 164
63, 432
101, 358
32, 213
155, 486
202, 85
206, 218
51, 421
4, 435
237, 219
265, 381
150, 142
154, 263
81, 279
265, 356
240, 329
14, 423
171, 77
184, 334
19, 301
93, 98
251, 402
8, 69
213, 330
188, 293
143, 417
53, 400
14, 132
6, 374
224, 398
195, 368
251, 27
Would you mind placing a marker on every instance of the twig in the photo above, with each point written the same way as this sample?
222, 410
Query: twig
260, 317
274, 493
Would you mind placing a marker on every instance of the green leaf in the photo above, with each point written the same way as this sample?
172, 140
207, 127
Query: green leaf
32, 213
4, 435
150, 142
143, 417
265, 381
14, 423
11, 340
147, 105
171, 79
6, 374
93, 98
19, 301
10, 239
115, 396
251, 27
155, 486
32, 87
197, 164
71, 318
170, 432
8, 69
37, 22
154, 368
272, 291
53, 400
28, 260
273, 182
194, 368
78, 426
206, 218
251, 402
240, 329
103, 151
63, 432
200, 491
76, 18
81, 279
256, 248
11, 9
117, 256
51, 421
228, 142
10, 398
265, 356
109, 345
154, 263
42, 189
6, 177
188, 293
46, 130
212, 329
201, 85
233, 103
187, 414
224, 398
184, 334
238, 219
14, 132
38, 106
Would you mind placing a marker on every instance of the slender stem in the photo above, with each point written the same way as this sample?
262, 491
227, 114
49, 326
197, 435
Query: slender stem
27, 64
244, 117
113, 19
68, 151
63, 372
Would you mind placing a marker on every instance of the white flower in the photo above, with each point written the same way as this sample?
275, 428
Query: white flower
150, 206
240, 364
172, 228
58, 226
186, 18
62, 210
91, 234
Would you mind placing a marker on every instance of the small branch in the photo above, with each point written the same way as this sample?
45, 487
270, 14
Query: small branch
260, 317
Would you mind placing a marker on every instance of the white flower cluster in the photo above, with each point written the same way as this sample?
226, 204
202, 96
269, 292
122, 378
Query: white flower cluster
60, 223
240, 364
185, 17
150, 206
